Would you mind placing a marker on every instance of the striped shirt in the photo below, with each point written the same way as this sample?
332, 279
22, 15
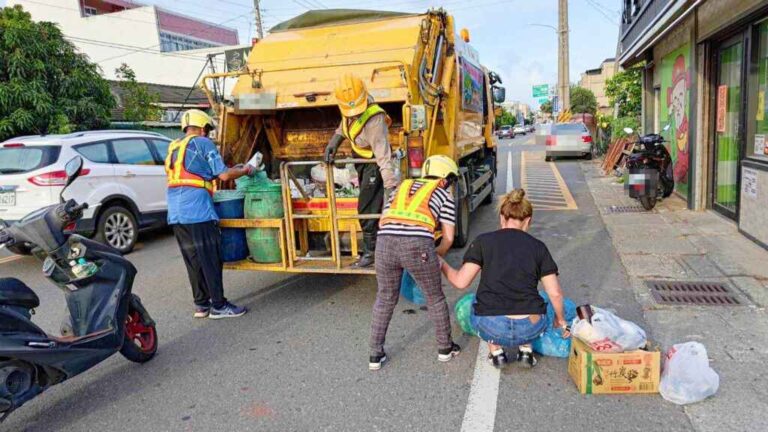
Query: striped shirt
443, 209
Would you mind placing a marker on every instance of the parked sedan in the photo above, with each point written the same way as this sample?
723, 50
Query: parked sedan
505, 132
569, 139
519, 130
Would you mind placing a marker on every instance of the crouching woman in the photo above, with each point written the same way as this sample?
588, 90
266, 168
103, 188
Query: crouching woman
508, 311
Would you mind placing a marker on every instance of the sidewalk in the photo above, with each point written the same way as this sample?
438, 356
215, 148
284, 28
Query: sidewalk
674, 243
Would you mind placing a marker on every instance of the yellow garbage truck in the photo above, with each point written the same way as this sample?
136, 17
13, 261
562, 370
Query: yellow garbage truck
419, 68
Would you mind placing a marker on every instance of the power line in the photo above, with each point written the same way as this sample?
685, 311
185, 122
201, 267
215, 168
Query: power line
602, 12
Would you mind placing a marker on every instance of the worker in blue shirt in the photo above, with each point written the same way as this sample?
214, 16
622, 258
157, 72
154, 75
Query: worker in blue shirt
192, 164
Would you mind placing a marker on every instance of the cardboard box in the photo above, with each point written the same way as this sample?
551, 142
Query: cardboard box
596, 372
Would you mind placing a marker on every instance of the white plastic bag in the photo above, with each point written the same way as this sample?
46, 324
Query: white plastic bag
341, 176
609, 333
686, 377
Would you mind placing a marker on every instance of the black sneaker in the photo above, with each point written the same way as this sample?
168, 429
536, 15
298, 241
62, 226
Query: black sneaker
375, 361
499, 360
446, 354
526, 359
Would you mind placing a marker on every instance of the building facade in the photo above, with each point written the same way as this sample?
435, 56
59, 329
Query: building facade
595, 79
705, 67
160, 46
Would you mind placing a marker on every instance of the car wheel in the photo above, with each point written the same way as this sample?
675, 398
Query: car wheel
118, 228
548, 158
588, 156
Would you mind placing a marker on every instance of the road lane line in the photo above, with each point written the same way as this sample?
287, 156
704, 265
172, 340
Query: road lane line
510, 177
480, 415
566, 192
10, 259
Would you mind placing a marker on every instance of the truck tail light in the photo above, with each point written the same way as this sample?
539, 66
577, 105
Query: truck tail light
53, 178
415, 155
586, 138
551, 140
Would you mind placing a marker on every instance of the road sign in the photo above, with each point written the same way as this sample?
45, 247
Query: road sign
543, 100
541, 90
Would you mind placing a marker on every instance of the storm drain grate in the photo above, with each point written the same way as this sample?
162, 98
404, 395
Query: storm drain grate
626, 209
692, 293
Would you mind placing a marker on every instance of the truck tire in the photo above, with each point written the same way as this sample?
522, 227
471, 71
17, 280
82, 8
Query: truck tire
462, 222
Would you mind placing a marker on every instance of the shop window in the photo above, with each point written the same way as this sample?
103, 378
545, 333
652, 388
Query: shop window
757, 138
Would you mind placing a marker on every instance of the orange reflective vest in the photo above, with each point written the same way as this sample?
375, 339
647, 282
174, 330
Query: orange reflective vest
177, 173
413, 209
351, 132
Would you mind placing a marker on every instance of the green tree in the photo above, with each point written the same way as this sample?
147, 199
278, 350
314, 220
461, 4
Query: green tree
583, 100
546, 107
139, 103
625, 88
46, 86
506, 118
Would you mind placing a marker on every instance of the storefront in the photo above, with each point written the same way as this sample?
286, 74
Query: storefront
738, 184
705, 66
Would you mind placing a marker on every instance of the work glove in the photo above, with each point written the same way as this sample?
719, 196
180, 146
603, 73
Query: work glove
331, 148
257, 162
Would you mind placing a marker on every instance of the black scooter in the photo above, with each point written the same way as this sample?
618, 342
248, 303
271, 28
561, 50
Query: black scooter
104, 316
650, 170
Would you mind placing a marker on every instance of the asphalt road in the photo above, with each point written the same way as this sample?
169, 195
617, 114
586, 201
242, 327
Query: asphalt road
298, 360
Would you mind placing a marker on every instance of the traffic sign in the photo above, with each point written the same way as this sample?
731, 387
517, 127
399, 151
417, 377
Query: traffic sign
543, 100
541, 90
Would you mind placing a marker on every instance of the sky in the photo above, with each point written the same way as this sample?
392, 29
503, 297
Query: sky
510, 35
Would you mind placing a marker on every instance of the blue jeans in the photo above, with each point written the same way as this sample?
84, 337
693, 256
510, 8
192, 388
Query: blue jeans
507, 332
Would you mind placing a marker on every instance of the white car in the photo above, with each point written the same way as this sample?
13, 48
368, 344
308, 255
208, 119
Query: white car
520, 130
568, 139
123, 181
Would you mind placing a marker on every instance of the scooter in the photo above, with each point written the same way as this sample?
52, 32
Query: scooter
104, 316
650, 170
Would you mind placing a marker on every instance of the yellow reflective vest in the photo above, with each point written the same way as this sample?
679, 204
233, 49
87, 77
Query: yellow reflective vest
176, 171
351, 132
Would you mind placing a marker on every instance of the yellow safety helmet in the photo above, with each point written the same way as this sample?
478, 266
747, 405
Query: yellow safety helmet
351, 95
195, 117
439, 166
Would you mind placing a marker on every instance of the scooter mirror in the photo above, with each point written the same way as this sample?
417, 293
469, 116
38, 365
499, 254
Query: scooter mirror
629, 130
73, 168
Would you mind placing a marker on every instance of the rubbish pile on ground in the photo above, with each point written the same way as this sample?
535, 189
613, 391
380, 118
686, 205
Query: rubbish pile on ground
610, 355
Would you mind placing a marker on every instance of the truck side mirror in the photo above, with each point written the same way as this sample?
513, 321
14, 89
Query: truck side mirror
499, 94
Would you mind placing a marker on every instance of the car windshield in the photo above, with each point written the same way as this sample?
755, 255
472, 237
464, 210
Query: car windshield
19, 160
506, 128
569, 129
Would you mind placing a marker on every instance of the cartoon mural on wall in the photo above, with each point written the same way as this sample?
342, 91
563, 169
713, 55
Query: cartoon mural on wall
675, 111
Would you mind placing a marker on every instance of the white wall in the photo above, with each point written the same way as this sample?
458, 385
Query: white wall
130, 37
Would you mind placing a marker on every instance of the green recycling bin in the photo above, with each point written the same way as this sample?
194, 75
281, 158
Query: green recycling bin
264, 200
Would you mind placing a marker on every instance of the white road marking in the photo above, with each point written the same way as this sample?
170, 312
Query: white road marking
10, 259
510, 175
480, 415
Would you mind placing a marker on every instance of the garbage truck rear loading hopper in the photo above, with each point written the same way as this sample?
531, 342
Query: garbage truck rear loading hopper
424, 73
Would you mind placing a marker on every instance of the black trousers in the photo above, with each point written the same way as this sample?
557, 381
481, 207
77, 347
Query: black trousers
200, 246
371, 199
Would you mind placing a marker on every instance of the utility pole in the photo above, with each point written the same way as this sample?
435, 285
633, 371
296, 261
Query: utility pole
259, 29
563, 78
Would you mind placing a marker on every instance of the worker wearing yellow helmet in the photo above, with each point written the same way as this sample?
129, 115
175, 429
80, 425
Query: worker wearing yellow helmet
416, 210
192, 164
366, 126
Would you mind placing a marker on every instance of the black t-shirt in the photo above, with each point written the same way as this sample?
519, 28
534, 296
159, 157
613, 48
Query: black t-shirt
512, 263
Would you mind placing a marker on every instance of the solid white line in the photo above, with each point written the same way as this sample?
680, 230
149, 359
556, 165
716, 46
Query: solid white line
480, 415
10, 259
510, 175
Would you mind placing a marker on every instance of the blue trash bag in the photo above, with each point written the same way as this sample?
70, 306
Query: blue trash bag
551, 342
410, 290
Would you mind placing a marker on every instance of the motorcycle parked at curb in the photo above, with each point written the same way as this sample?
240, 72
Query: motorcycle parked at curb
650, 170
104, 315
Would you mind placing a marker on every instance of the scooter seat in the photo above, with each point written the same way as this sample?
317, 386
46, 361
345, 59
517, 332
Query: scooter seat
14, 292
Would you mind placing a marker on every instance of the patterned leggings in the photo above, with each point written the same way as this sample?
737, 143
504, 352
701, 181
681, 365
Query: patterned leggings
416, 255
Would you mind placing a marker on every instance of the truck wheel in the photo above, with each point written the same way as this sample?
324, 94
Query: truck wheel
20, 249
462, 223
117, 227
